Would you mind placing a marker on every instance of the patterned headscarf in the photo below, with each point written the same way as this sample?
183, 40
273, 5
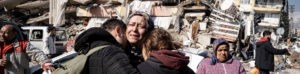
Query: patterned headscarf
145, 15
216, 43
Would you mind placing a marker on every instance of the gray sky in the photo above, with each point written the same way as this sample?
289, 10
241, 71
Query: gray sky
297, 12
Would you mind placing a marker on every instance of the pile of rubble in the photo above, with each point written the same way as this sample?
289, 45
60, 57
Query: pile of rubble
192, 17
194, 23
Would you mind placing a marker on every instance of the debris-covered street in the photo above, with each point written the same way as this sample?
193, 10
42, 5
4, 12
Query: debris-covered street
194, 24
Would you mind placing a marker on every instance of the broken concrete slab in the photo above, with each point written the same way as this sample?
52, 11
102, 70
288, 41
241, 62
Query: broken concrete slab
112, 2
145, 6
180, 7
96, 12
186, 41
57, 12
95, 22
34, 4
194, 59
162, 22
205, 39
225, 30
199, 16
9, 4
195, 8
122, 12
83, 1
161, 11
202, 26
38, 19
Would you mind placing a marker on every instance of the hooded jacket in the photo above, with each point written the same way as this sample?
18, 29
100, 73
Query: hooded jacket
165, 62
265, 54
108, 60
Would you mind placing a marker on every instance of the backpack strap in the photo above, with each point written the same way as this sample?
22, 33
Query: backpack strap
96, 49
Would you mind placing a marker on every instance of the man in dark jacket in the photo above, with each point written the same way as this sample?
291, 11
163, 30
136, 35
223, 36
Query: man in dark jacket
108, 60
265, 52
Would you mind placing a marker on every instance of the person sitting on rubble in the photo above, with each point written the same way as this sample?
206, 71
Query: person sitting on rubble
138, 24
159, 57
69, 46
221, 61
265, 52
111, 59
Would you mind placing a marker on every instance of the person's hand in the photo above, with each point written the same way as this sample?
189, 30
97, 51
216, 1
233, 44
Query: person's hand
48, 66
3, 62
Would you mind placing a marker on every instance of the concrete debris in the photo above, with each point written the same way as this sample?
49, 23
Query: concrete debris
162, 11
75, 29
205, 39
38, 19
176, 22
95, 22
195, 8
198, 16
82, 1
162, 22
225, 30
145, 6
194, 23
99, 12
9, 4
186, 41
57, 12
202, 26
35, 4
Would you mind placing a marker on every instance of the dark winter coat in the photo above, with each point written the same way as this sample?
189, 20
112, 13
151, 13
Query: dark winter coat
265, 54
165, 62
135, 55
109, 60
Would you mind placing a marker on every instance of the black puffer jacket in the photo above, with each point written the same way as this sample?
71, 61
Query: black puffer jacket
134, 54
265, 54
109, 60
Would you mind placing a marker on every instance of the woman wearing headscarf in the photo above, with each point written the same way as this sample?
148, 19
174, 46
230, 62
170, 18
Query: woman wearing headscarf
157, 51
221, 61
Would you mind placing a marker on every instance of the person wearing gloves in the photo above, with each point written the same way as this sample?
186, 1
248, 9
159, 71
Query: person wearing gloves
221, 61
159, 57
16, 53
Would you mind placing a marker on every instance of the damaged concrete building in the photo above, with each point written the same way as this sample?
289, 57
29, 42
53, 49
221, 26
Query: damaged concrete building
194, 23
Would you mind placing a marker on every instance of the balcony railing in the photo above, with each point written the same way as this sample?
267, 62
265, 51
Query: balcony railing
268, 5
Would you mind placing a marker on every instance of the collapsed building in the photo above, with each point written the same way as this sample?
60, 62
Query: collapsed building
194, 23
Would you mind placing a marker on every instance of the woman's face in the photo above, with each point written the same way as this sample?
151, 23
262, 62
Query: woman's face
222, 53
136, 28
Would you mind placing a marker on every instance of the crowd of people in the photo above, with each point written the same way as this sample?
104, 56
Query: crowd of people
132, 47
